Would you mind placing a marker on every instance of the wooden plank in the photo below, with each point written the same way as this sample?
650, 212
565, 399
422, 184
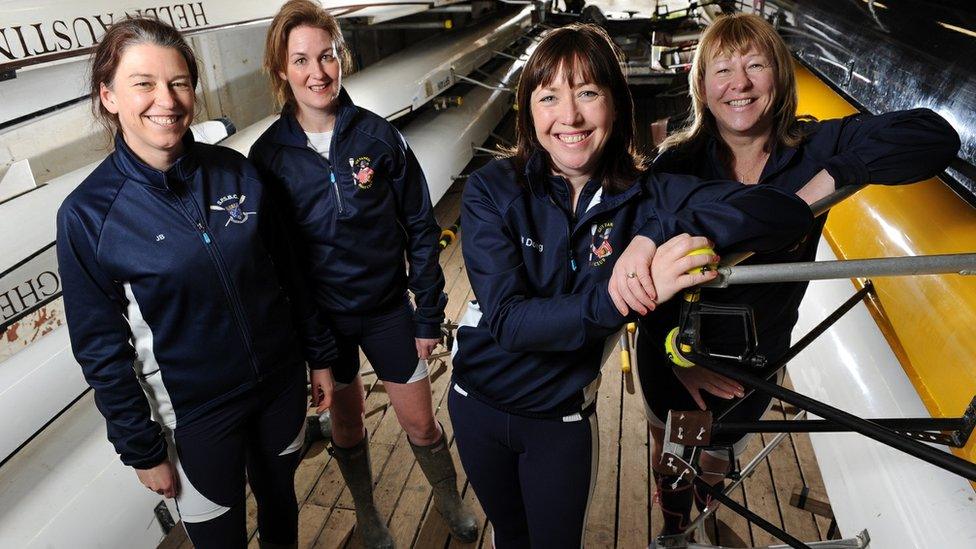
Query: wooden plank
809, 469
760, 496
786, 477
600, 530
311, 520
633, 501
337, 530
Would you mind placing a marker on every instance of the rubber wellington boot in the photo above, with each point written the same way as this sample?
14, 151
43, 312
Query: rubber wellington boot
355, 467
436, 463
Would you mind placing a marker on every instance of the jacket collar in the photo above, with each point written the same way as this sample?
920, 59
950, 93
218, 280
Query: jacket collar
289, 132
132, 167
778, 159
541, 183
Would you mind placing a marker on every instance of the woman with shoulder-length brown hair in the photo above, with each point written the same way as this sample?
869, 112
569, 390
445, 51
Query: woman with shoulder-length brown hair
173, 271
744, 126
360, 211
542, 230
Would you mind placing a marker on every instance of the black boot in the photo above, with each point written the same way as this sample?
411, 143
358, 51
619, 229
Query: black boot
436, 463
355, 467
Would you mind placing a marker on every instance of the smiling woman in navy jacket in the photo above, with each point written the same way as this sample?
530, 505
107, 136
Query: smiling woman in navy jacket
542, 230
358, 205
744, 127
173, 268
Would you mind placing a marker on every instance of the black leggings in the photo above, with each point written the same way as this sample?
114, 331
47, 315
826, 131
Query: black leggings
260, 433
533, 477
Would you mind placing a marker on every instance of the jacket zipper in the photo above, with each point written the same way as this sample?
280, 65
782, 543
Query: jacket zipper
335, 187
232, 297
570, 256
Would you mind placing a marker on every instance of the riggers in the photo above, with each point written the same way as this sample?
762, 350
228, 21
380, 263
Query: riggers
436, 463
892, 148
357, 471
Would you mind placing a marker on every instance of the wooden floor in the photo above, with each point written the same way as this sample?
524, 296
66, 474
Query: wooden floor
622, 513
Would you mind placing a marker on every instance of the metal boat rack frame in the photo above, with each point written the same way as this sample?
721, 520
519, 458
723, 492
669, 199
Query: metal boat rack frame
690, 432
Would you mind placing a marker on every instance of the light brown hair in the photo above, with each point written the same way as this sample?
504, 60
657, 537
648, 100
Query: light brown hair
294, 14
108, 54
740, 33
586, 53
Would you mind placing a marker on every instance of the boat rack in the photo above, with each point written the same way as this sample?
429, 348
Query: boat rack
690, 432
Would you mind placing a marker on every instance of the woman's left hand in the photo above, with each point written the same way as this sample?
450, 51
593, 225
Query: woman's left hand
631, 284
323, 385
425, 346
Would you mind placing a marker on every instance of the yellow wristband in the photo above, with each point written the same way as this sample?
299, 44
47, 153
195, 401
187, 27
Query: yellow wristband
673, 355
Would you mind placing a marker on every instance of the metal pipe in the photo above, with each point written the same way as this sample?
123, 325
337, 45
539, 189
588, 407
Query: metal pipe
753, 518
825, 426
963, 264
938, 458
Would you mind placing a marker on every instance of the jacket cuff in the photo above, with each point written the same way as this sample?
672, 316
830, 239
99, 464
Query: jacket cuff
324, 365
847, 169
427, 331
606, 312
148, 462
653, 229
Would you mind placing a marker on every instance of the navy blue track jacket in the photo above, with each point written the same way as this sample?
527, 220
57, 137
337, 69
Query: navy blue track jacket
540, 271
173, 288
893, 148
357, 215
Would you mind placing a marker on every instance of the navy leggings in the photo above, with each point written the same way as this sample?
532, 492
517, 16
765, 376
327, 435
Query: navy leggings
533, 477
259, 432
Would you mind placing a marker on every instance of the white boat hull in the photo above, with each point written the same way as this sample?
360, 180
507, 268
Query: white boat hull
900, 500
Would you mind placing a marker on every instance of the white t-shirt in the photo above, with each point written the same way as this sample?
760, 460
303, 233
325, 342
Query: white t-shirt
320, 142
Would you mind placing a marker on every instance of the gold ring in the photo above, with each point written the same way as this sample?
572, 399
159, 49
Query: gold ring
631, 275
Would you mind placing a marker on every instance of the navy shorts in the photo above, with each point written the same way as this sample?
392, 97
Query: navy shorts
387, 338
258, 436
663, 392
533, 477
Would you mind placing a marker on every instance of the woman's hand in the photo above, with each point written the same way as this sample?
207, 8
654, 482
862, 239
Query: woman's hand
323, 385
631, 286
425, 346
697, 379
671, 265
161, 479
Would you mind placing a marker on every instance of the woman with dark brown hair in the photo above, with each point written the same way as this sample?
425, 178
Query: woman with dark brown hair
169, 256
542, 231
744, 126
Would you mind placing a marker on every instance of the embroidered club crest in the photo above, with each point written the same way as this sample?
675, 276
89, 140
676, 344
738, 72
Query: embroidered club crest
233, 206
362, 173
600, 248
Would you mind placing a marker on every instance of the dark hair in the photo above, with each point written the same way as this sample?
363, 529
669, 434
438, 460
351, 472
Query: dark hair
587, 54
293, 14
130, 32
